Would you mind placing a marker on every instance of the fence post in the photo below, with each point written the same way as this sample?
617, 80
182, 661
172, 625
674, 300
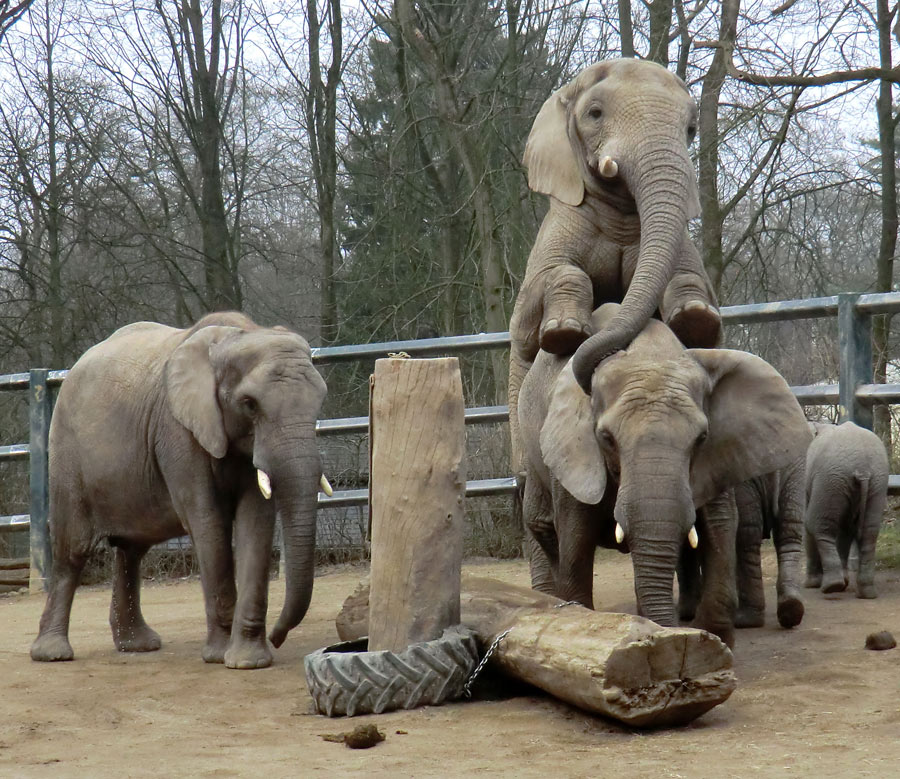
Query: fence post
855, 339
39, 410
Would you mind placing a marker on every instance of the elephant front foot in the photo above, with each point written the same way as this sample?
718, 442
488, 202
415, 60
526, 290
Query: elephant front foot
139, 638
248, 653
565, 337
748, 617
832, 584
790, 612
215, 647
697, 324
51, 647
865, 590
813, 581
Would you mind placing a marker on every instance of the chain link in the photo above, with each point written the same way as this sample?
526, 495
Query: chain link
467, 687
567, 603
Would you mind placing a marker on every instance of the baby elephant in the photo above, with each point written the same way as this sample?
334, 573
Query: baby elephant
846, 490
159, 432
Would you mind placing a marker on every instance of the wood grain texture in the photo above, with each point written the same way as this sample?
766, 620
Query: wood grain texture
618, 665
418, 476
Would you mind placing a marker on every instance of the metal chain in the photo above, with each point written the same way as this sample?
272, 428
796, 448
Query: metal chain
567, 603
467, 687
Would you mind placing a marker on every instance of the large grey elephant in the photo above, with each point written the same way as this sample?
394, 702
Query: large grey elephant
665, 431
610, 148
846, 489
158, 432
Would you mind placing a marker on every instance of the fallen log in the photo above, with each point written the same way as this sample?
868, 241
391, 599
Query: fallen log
618, 665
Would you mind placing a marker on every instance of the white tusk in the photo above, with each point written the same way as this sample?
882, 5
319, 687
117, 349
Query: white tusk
609, 169
620, 534
326, 487
265, 486
692, 537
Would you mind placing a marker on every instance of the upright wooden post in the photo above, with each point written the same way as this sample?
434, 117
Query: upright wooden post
417, 489
39, 410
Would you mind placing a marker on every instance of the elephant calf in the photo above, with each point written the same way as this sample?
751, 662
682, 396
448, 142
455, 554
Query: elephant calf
158, 432
846, 488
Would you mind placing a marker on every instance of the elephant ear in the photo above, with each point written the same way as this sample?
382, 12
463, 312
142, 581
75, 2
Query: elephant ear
552, 166
191, 388
568, 445
756, 425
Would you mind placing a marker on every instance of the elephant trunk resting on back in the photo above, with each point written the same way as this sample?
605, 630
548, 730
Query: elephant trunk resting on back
159, 431
610, 148
664, 432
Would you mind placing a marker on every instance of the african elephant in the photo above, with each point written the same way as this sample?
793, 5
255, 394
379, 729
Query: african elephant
158, 432
610, 148
668, 431
846, 491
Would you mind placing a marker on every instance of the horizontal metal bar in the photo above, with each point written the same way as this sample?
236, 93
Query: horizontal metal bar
478, 488
879, 393
894, 484
423, 347
879, 303
474, 416
15, 452
780, 310
814, 394
15, 522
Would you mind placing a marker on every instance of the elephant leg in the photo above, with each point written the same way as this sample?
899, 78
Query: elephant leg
568, 304
540, 534
751, 611
867, 536
71, 546
718, 538
130, 632
824, 512
254, 528
576, 529
690, 582
813, 561
787, 535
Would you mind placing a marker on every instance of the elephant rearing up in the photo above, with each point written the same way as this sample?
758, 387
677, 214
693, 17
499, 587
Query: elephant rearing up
610, 148
158, 432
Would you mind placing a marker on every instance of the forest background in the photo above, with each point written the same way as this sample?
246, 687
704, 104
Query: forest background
353, 170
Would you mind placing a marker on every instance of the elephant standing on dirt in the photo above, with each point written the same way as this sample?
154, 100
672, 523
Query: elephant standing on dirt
610, 148
158, 432
664, 432
846, 489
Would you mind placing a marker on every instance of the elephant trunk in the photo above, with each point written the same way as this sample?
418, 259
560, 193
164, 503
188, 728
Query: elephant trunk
655, 528
296, 499
662, 180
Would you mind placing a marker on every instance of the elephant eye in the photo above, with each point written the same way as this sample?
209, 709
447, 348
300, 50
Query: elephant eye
595, 112
249, 404
691, 132
606, 439
701, 438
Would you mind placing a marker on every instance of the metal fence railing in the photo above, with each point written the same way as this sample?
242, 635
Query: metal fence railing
855, 393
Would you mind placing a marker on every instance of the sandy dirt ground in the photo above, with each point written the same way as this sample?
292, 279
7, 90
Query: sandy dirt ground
810, 702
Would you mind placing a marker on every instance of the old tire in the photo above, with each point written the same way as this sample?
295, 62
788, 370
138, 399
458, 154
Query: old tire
344, 679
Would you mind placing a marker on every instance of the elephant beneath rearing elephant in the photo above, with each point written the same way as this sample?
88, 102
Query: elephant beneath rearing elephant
158, 432
664, 432
610, 148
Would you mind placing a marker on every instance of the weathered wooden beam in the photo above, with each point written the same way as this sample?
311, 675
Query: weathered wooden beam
417, 488
618, 665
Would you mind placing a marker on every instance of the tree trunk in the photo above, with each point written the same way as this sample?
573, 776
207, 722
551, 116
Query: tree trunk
617, 665
660, 27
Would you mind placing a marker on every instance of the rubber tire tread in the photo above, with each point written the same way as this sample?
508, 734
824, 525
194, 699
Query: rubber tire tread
428, 673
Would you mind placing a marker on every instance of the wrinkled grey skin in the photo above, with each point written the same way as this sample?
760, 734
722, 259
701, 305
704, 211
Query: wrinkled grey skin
158, 431
621, 238
768, 505
846, 491
666, 431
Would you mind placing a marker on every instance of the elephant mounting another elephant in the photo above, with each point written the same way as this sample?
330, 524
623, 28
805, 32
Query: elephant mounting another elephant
665, 431
610, 148
210, 431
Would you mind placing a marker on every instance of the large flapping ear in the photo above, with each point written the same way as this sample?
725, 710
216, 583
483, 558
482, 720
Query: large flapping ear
191, 388
552, 166
568, 445
756, 425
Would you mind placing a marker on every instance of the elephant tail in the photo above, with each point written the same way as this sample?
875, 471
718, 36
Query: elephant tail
863, 482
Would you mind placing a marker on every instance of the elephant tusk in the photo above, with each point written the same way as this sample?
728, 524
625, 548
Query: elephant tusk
608, 168
265, 486
620, 534
326, 487
692, 537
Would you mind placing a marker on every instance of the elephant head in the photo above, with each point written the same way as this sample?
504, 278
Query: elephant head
254, 395
618, 135
675, 428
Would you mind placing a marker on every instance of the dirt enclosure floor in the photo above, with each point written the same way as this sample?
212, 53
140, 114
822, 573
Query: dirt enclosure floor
810, 702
